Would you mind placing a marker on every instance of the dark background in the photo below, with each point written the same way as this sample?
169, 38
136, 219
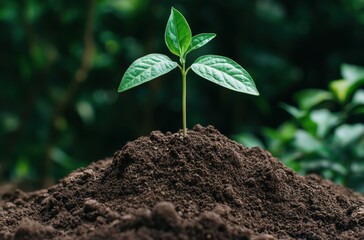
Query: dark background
61, 63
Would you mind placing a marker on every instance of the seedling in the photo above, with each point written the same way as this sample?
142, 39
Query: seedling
178, 37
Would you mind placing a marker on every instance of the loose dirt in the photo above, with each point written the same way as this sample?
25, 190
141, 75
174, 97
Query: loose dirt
204, 186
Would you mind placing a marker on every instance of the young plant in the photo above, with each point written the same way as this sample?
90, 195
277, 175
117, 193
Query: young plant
179, 40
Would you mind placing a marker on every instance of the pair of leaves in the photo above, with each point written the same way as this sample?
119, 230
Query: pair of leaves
178, 37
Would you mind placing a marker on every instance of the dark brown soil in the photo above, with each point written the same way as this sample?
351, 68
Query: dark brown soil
204, 186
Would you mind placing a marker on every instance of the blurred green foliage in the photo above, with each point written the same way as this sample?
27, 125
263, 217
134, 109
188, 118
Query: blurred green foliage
61, 62
326, 134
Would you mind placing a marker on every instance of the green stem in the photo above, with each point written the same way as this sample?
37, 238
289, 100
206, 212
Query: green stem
184, 121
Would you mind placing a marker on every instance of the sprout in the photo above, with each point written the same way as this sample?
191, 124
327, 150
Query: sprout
179, 40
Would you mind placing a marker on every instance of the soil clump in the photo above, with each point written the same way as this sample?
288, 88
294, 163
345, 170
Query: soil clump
204, 186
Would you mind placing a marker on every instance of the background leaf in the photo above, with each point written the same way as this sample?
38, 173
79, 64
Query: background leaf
199, 41
353, 79
347, 134
225, 72
248, 140
341, 89
295, 112
178, 34
310, 98
145, 69
325, 121
352, 72
358, 98
306, 143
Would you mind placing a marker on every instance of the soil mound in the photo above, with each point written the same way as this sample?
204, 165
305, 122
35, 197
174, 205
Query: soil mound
204, 186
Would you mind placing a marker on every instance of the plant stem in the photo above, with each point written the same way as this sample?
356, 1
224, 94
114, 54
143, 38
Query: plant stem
184, 121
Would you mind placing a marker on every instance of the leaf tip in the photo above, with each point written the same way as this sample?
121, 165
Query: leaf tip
173, 10
121, 88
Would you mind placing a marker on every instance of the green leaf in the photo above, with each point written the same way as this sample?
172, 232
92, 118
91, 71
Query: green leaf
306, 143
359, 110
341, 89
352, 72
325, 121
359, 150
347, 135
199, 41
303, 117
353, 79
178, 35
225, 72
248, 140
295, 112
358, 98
356, 106
328, 167
145, 69
279, 140
310, 98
